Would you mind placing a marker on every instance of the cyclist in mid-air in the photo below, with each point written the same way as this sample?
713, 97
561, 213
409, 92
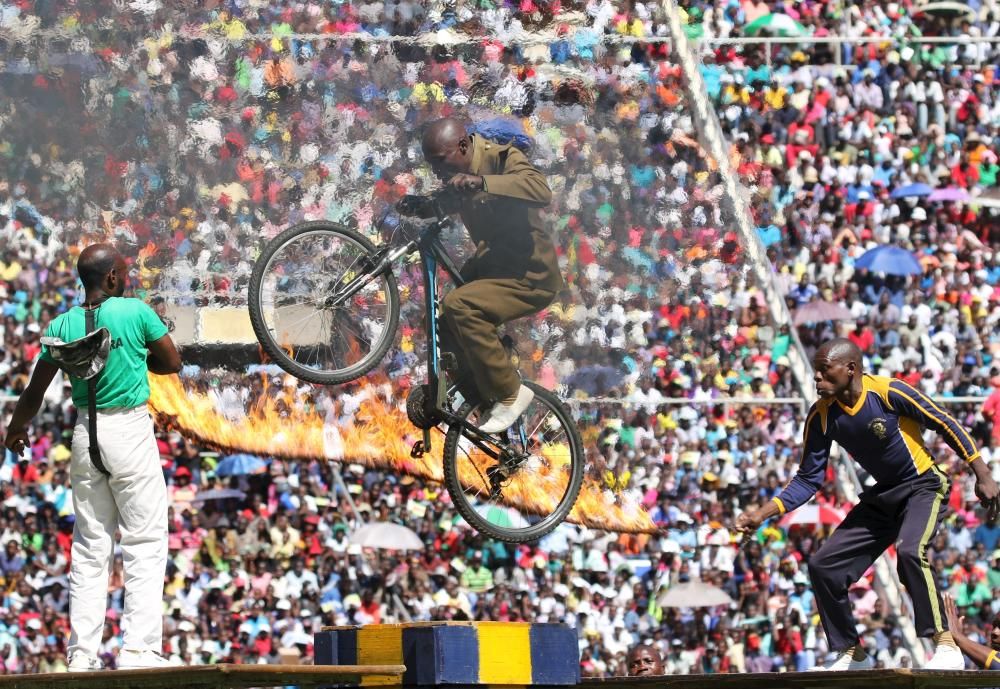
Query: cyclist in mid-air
303, 289
513, 273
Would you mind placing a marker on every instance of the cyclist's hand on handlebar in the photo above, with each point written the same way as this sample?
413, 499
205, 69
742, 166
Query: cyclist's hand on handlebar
468, 183
420, 206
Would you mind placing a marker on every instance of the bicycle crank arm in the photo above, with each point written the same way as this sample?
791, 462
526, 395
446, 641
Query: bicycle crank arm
421, 447
484, 441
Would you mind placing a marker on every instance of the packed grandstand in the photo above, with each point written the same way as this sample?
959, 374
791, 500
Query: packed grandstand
193, 133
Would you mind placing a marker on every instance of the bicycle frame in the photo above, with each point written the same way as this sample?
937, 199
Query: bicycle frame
432, 256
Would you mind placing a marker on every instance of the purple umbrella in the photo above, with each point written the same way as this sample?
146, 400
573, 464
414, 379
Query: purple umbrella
949, 194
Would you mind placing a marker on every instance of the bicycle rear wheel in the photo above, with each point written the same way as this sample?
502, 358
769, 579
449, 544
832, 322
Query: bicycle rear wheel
297, 316
531, 489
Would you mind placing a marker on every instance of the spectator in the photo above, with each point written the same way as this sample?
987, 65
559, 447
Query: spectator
895, 656
984, 656
644, 661
477, 578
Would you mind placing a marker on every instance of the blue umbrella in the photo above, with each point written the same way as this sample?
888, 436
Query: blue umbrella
240, 465
890, 260
917, 189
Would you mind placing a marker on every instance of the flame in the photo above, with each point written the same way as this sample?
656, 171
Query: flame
146, 273
380, 437
147, 252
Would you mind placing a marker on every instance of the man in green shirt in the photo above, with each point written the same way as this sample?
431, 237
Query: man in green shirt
477, 578
993, 576
131, 496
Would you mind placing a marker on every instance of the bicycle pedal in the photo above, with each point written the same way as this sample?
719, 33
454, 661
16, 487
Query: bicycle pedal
417, 451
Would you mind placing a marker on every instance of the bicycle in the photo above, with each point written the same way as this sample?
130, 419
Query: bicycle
324, 304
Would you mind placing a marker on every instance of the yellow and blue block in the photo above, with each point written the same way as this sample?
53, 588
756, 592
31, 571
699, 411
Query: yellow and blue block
513, 654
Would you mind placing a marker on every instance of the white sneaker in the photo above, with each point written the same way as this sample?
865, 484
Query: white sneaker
846, 661
946, 658
500, 417
133, 660
81, 662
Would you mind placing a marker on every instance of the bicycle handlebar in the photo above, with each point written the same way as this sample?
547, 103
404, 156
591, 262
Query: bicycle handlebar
382, 260
426, 206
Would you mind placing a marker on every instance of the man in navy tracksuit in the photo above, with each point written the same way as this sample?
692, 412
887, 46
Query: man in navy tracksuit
879, 422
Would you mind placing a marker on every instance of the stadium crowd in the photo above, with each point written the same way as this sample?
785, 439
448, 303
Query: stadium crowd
193, 140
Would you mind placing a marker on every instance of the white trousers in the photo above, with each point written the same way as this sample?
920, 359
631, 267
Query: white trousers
133, 500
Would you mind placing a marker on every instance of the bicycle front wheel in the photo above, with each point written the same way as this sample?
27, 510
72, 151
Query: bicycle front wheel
299, 311
532, 487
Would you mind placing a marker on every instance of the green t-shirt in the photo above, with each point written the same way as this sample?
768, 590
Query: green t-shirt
988, 174
477, 580
781, 345
627, 435
124, 382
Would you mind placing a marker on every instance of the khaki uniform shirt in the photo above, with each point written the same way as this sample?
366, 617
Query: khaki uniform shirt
505, 220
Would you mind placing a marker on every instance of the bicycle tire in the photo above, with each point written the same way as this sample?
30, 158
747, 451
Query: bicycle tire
276, 350
546, 524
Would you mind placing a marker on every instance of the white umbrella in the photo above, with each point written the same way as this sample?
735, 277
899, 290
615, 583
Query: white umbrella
990, 198
386, 536
219, 494
776, 24
947, 8
694, 594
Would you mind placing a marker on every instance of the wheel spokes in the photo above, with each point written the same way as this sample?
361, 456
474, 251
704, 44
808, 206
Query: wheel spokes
297, 311
532, 479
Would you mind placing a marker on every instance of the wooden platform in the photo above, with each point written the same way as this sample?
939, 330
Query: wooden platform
206, 677
867, 679
247, 676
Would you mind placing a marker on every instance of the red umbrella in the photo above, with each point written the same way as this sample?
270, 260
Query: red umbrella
811, 515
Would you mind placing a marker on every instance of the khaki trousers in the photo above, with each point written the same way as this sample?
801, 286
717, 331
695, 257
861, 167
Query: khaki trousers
471, 315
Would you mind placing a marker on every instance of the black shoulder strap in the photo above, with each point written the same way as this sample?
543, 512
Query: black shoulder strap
95, 451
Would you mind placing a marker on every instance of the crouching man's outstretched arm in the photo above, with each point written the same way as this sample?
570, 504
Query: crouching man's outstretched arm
986, 657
